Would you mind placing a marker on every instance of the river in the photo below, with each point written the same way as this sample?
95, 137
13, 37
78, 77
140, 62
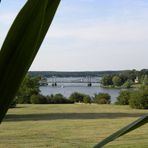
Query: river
68, 85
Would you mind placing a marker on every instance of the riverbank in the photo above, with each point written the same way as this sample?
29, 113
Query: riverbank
134, 86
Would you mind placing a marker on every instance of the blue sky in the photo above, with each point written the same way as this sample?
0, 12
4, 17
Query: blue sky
89, 35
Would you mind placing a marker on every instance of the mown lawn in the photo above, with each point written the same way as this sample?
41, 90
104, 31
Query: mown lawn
70, 126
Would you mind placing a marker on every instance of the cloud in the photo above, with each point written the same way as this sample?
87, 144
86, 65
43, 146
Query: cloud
103, 32
92, 35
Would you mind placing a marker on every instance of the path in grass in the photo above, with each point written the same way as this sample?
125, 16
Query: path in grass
70, 126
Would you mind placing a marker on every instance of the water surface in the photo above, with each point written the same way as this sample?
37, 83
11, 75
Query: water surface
68, 87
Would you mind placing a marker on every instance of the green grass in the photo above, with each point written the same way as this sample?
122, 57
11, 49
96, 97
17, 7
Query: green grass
70, 126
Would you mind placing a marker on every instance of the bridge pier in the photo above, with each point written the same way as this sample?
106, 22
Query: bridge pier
89, 84
54, 82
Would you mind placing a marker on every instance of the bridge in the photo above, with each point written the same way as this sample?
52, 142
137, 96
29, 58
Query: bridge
54, 81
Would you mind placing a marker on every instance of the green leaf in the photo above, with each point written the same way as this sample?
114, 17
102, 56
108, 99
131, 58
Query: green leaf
141, 121
21, 46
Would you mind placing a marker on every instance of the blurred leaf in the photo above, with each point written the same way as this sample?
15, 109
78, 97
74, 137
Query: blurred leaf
21, 46
141, 121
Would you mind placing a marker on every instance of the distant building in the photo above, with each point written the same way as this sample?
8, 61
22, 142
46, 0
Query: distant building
136, 80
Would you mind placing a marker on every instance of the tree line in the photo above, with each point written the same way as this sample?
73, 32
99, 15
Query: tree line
125, 79
71, 74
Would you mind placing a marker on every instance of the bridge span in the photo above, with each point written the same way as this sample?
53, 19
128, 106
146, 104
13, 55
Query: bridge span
54, 81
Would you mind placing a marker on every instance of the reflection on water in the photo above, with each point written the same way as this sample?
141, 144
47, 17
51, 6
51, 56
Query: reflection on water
68, 88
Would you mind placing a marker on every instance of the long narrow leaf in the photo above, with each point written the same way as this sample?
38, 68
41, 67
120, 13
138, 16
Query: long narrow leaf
21, 46
141, 121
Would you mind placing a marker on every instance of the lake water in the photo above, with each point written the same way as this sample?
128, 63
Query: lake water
67, 86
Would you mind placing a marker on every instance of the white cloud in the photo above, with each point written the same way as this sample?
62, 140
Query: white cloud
104, 32
83, 39
95, 45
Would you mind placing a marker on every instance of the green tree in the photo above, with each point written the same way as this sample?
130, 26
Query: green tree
29, 87
76, 97
107, 80
128, 84
38, 99
145, 80
123, 98
139, 99
117, 81
87, 99
59, 99
102, 98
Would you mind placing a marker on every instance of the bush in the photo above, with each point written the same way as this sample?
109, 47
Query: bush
38, 99
102, 98
50, 99
23, 99
87, 99
139, 99
123, 98
117, 81
58, 99
76, 97
107, 80
127, 84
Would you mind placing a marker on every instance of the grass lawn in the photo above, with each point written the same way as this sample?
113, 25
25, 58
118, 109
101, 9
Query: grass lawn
70, 126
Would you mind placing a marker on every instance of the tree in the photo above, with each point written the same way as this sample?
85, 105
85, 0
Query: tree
87, 99
76, 97
145, 80
107, 80
29, 87
123, 98
139, 99
117, 81
102, 98
38, 99
128, 84
58, 99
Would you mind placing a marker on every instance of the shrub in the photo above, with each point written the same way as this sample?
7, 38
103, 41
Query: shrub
50, 99
38, 99
127, 84
102, 98
23, 99
87, 99
117, 81
76, 97
107, 80
58, 99
123, 98
139, 99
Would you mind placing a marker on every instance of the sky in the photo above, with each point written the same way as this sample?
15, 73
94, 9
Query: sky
89, 35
